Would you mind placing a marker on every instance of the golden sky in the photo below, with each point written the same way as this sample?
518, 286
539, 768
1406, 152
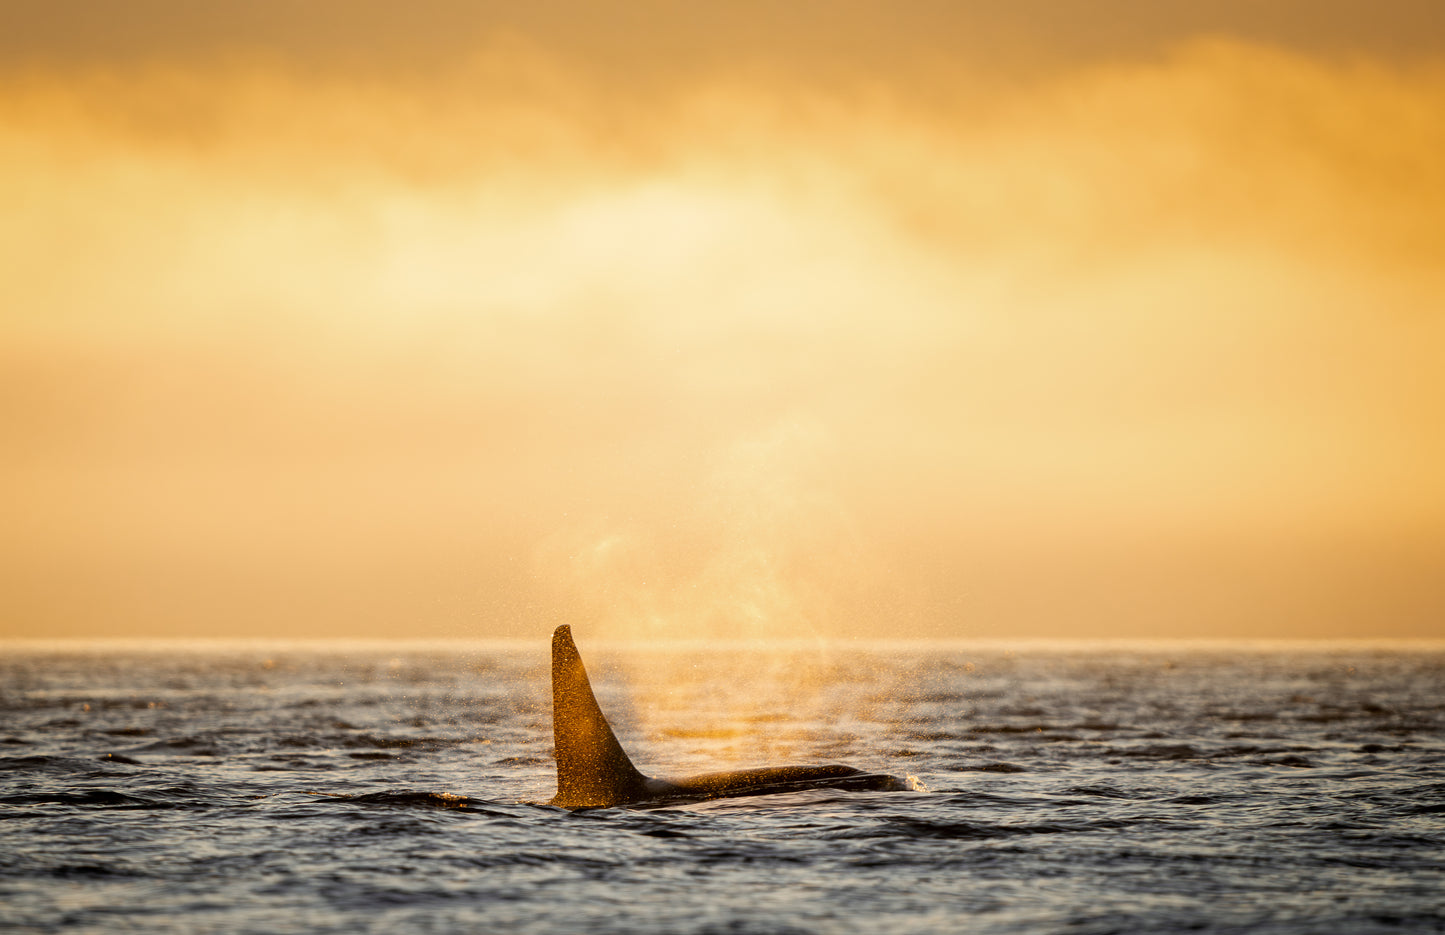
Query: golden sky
1064, 319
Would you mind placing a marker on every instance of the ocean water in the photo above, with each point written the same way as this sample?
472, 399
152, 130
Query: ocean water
1260, 789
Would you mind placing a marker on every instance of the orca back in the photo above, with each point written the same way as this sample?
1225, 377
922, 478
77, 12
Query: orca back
593, 771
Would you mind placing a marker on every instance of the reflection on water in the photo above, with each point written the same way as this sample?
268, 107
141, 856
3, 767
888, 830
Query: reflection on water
353, 788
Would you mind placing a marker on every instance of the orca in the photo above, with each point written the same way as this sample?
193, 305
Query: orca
593, 771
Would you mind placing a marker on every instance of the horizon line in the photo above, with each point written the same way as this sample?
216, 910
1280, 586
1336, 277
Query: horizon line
987, 644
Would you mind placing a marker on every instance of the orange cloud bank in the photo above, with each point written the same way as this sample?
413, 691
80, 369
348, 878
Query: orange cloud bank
1132, 349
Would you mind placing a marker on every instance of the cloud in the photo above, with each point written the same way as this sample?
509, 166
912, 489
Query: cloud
743, 351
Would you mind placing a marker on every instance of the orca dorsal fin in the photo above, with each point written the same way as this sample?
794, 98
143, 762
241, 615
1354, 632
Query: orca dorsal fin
592, 768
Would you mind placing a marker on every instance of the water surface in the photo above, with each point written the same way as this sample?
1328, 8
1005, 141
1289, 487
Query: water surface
1276, 789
